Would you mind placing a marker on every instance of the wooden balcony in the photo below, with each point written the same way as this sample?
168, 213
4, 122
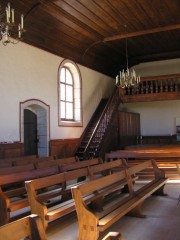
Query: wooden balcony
153, 89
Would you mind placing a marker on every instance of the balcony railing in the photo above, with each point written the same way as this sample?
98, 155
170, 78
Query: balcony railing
153, 89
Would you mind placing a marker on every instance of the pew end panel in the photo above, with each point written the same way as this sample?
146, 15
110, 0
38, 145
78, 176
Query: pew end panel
38, 194
30, 226
4, 205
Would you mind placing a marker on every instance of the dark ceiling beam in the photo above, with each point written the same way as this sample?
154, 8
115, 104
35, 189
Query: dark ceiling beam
140, 33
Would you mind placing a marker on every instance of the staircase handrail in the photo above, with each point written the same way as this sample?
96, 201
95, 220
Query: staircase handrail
114, 95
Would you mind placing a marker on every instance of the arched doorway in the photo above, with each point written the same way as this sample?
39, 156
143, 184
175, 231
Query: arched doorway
35, 127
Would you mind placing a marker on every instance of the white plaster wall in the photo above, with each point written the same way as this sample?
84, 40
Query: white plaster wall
157, 118
158, 68
30, 73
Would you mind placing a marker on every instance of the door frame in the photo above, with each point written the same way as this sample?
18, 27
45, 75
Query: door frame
42, 110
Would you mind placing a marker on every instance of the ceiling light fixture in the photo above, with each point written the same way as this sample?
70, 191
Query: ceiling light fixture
9, 31
127, 78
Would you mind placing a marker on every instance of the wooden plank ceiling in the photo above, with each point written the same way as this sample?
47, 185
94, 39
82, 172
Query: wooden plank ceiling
93, 32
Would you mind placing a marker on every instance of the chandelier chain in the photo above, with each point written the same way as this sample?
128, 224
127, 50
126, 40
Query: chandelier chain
127, 78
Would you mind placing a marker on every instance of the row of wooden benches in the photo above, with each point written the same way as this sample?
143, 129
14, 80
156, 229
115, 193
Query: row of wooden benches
50, 197
109, 203
166, 159
75, 174
13, 195
30, 227
32, 162
99, 201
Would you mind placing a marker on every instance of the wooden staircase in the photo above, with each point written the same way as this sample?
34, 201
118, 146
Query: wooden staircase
97, 129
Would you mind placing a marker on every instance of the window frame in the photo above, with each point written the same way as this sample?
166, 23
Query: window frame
66, 101
77, 120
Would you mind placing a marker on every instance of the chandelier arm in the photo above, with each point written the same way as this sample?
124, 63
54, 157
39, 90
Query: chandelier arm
8, 33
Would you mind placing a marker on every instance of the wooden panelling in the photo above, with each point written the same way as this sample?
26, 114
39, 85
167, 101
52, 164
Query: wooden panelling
63, 147
165, 139
8, 150
129, 128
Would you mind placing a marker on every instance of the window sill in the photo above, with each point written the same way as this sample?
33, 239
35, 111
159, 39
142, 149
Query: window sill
70, 124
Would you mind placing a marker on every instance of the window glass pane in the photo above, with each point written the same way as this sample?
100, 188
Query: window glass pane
69, 93
62, 75
69, 110
62, 109
69, 79
62, 92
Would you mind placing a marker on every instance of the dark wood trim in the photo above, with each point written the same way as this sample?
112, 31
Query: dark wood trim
63, 147
8, 150
140, 33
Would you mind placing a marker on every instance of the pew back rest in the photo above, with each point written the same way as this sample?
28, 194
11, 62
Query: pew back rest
148, 154
15, 169
32, 160
61, 161
58, 179
27, 175
80, 164
106, 167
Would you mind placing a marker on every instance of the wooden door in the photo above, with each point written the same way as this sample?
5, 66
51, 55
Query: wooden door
30, 133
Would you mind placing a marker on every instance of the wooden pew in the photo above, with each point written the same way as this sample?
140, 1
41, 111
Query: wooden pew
8, 162
139, 154
59, 162
16, 169
31, 163
166, 159
24, 161
80, 164
60, 201
30, 226
13, 192
67, 160
113, 205
12, 184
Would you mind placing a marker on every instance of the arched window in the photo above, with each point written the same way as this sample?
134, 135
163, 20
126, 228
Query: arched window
69, 94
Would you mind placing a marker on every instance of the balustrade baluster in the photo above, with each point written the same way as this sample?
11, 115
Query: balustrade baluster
156, 86
166, 85
176, 85
161, 86
146, 86
171, 85
151, 86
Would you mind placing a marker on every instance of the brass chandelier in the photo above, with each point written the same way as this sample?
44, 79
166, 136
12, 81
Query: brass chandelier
9, 31
127, 78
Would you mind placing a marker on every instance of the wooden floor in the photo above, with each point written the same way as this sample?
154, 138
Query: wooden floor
161, 223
